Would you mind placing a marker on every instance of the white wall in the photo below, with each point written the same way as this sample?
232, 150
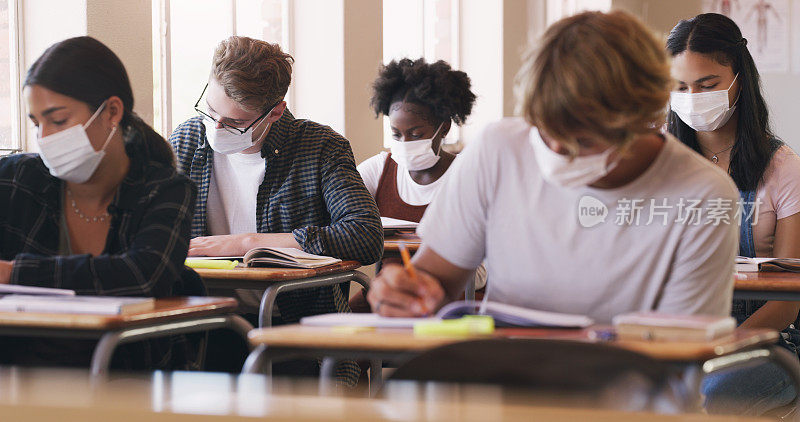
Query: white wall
318, 45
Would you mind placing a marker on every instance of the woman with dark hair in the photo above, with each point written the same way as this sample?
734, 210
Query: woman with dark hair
718, 110
100, 210
422, 101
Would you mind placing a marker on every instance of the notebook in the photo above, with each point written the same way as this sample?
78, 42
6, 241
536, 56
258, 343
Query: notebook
393, 225
271, 257
668, 327
102, 305
745, 264
504, 316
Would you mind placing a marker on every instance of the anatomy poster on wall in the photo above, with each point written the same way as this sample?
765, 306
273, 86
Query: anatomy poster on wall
765, 24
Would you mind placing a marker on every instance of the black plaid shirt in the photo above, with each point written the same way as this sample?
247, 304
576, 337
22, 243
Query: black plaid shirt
145, 249
147, 242
311, 188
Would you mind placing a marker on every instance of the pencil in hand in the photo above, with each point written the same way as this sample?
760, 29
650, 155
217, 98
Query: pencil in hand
412, 273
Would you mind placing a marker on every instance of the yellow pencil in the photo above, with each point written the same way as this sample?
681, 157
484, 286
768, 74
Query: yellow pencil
410, 270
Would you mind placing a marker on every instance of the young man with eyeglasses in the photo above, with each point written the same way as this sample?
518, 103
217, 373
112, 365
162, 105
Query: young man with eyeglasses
266, 178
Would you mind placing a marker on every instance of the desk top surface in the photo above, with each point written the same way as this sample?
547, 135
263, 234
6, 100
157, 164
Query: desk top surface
275, 274
392, 243
404, 340
166, 310
68, 395
774, 281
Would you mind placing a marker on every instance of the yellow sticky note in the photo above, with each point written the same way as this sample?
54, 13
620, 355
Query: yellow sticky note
213, 264
464, 326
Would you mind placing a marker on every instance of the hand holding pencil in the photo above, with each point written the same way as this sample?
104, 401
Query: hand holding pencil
405, 291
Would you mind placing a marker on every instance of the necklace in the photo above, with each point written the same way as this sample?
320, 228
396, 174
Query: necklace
715, 158
99, 218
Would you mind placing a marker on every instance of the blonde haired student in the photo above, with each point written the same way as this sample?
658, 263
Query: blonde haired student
578, 206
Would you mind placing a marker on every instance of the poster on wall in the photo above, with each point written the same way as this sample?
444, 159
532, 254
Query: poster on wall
765, 24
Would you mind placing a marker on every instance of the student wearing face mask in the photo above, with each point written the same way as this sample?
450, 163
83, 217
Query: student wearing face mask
561, 202
266, 178
718, 111
101, 209
422, 101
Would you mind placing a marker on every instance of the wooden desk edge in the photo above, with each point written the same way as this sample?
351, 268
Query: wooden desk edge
208, 306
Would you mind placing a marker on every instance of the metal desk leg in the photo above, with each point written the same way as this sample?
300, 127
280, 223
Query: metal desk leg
101, 358
258, 362
271, 293
327, 375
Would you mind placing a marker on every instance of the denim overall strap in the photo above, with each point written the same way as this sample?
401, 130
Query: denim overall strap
742, 309
746, 244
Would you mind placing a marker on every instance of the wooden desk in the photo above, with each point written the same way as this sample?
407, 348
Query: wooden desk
402, 342
400, 345
46, 395
171, 316
276, 280
777, 285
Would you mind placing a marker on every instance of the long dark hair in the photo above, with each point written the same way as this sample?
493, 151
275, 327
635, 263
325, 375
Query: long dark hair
719, 38
85, 69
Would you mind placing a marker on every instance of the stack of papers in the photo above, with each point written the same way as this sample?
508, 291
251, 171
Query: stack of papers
393, 225
101, 305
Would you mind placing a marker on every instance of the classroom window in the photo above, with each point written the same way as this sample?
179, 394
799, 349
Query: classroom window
557, 9
421, 28
10, 106
188, 33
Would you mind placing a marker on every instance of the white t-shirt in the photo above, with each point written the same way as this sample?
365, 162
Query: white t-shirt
411, 192
232, 193
496, 205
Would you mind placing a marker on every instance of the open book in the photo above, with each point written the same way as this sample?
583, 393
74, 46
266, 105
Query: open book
504, 316
273, 257
286, 257
102, 305
745, 264
393, 226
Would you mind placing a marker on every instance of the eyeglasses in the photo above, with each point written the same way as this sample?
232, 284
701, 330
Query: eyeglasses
228, 128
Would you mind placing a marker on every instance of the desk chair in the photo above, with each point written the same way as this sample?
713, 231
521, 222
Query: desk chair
571, 373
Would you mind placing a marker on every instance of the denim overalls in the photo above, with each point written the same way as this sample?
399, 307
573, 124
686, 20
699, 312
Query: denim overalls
742, 309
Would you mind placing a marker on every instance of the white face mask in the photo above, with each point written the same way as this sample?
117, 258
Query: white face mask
225, 142
559, 170
70, 155
704, 111
416, 155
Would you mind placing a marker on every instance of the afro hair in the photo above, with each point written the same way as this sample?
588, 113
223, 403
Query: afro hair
446, 92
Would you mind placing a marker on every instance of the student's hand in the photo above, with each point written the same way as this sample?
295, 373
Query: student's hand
227, 245
393, 293
5, 271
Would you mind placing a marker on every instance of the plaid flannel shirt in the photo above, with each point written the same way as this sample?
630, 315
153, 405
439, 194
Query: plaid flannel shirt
311, 188
144, 252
